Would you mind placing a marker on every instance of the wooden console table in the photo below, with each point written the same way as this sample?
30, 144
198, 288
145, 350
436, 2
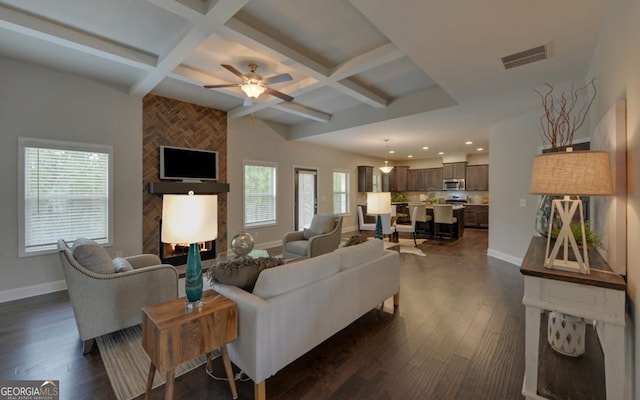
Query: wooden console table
172, 336
598, 296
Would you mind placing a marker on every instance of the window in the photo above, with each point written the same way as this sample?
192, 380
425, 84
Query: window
340, 192
259, 193
65, 194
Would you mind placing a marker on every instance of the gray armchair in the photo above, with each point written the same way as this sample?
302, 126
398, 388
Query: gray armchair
106, 301
323, 236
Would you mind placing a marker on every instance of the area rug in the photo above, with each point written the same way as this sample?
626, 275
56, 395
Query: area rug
127, 363
406, 247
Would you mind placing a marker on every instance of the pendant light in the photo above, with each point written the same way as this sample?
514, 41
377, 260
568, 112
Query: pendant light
386, 169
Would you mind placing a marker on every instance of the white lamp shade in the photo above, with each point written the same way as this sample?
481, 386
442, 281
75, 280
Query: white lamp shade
379, 202
189, 218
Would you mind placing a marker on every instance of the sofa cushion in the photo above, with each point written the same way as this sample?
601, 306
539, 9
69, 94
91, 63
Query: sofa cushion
122, 265
92, 256
242, 272
282, 279
356, 255
320, 224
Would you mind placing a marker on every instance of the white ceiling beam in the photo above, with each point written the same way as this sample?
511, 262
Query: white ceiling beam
240, 32
203, 27
369, 60
303, 111
51, 32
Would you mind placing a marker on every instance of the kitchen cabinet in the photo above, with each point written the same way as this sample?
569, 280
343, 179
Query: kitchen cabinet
476, 216
454, 170
396, 180
365, 178
477, 178
433, 179
416, 180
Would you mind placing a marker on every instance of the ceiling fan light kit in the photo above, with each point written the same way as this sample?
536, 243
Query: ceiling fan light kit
252, 90
253, 85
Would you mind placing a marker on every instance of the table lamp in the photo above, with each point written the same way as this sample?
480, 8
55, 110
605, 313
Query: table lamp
190, 219
570, 174
378, 203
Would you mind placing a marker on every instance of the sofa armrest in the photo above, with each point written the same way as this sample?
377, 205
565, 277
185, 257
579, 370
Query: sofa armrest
251, 350
143, 260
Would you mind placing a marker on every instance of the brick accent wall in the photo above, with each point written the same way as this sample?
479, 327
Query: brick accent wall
171, 122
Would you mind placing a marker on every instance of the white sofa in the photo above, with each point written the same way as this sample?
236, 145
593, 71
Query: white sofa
296, 306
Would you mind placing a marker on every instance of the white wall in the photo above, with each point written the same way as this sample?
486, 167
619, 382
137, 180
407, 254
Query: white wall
38, 102
616, 64
512, 146
259, 142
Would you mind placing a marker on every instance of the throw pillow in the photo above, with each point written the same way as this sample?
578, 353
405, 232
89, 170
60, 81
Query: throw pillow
122, 265
308, 233
92, 256
355, 239
242, 272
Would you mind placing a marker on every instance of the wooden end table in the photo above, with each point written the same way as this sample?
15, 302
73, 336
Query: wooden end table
598, 296
171, 336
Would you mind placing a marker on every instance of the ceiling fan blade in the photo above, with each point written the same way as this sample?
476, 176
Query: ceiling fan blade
277, 79
281, 95
233, 71
221, 86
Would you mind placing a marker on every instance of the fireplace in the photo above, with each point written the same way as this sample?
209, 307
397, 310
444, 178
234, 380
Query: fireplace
176, 253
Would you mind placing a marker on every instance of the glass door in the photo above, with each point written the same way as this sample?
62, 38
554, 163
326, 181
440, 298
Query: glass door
306, 199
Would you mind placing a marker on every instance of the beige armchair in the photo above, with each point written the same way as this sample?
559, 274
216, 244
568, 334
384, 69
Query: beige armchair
323, 236
106, 301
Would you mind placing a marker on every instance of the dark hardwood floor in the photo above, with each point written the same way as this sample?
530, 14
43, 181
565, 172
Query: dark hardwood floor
458, 334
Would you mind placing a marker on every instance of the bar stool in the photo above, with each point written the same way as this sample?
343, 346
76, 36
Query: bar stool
443, 215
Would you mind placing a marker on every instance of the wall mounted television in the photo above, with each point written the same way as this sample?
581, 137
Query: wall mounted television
179, 163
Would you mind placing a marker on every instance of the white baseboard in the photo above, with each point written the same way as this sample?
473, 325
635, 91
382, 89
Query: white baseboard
33, 290
504, 257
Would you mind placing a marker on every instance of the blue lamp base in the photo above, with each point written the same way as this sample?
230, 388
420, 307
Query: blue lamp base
193, 278
378, 232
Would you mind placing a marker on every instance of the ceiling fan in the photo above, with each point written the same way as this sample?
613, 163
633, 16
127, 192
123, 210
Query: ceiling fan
253, 85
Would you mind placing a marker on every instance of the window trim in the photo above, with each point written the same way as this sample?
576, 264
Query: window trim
255, 163
347, 193
61, 145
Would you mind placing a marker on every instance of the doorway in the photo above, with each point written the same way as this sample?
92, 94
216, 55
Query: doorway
306, 198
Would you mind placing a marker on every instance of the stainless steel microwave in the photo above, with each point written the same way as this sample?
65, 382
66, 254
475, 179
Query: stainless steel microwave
453, 184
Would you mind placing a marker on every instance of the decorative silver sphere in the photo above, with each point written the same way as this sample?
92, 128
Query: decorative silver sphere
242, 243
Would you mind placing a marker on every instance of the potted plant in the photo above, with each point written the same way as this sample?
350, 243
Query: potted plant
593, 239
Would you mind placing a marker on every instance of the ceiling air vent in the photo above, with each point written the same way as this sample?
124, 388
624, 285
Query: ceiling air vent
525, 57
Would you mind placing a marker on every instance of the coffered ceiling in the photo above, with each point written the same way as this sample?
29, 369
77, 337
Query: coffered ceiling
420, 73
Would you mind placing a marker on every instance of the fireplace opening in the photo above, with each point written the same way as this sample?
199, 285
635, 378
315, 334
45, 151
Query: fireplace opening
176, 253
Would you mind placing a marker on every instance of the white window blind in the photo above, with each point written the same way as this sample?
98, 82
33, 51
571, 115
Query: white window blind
259, 194
66, 194
340, 192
